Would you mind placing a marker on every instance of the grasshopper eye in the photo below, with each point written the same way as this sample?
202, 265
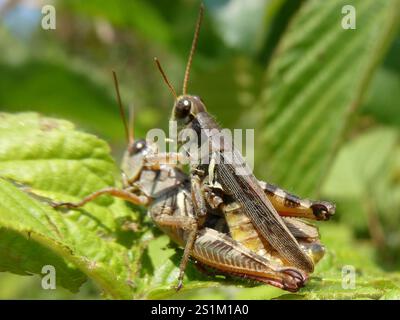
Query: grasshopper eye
138, 146
182, 109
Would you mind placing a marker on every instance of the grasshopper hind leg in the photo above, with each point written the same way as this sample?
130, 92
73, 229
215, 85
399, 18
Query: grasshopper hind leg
291, 205
293, 282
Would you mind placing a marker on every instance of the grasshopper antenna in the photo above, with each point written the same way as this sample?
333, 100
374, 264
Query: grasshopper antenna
131, 120
121, 109
171, 88
193, 48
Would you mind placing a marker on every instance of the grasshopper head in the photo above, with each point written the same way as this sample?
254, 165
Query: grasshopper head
134, 158
186, 108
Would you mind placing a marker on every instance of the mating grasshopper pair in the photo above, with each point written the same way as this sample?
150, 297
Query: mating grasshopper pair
227, 240
230, 222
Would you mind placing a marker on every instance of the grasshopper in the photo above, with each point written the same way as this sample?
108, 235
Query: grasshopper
217, 183
165, 190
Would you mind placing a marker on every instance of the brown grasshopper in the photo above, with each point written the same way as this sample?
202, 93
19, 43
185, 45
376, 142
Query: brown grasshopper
217, 183
165, 190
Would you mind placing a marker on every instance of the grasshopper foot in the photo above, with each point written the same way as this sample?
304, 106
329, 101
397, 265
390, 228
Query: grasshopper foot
179, 285
295, 279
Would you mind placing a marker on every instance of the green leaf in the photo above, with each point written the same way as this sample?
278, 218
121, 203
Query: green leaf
356, 168
371, 282
364, 180
232, 23
139, 14
385, 92
229, 100
48, 158
315, 82
66, 93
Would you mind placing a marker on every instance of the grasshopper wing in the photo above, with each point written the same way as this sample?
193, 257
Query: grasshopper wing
237, 179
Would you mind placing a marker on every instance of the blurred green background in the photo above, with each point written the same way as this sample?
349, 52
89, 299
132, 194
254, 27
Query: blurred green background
324, 101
